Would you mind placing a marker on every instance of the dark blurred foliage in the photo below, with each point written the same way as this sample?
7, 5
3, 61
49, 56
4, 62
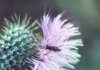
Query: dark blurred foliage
85, 12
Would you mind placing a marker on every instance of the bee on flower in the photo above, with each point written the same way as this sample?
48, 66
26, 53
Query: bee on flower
57, 50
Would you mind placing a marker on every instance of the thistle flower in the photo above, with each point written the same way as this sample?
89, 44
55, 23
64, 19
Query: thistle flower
16, 43
57, 50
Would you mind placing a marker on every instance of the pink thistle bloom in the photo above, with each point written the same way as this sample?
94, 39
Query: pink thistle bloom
57, 34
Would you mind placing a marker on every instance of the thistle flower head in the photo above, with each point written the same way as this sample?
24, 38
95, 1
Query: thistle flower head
55, 31
16, 43
57, 50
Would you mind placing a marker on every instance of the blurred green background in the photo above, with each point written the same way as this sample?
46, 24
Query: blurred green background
85, 12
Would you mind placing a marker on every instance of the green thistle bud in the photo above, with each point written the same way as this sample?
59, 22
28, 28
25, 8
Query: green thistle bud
16, 43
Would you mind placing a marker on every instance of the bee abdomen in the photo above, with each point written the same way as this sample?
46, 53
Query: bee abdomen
53, 48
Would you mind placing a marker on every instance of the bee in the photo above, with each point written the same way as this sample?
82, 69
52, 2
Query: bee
53, 48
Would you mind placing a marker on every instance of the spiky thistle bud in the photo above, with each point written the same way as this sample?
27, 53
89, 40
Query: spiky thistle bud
17, 43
